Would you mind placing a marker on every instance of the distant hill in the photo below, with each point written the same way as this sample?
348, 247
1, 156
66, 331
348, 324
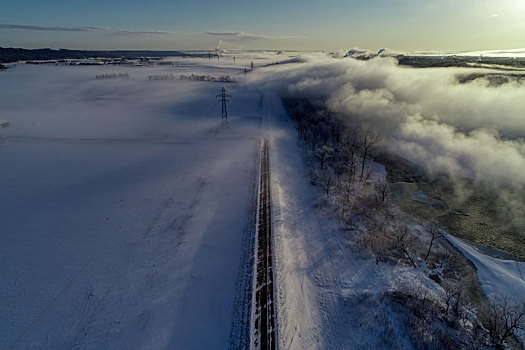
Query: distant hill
507, 63
16, 54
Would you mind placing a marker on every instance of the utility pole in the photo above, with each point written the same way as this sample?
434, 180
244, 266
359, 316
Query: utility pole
223, 98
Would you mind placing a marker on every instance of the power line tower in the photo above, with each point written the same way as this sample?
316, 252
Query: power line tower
223, 97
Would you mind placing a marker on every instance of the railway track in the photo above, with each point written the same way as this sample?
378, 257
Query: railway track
264, 329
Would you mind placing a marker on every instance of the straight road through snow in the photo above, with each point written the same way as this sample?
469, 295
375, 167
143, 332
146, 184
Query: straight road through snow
264, 335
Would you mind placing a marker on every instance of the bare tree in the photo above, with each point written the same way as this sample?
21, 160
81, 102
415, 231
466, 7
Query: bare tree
381, 190
339, 170
447, 265
435, 233
453, 295
323, 154
337, 130
326, 181
350, 146
370, 139
368, 174
348, 190
505, 318
402, 242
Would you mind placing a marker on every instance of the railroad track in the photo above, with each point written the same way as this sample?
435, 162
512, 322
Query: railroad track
264, 332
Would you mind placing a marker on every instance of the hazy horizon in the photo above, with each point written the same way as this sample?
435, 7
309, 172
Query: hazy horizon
404, 25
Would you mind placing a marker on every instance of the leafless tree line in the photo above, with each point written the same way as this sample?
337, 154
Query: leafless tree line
220, 79
338, 158
112, 76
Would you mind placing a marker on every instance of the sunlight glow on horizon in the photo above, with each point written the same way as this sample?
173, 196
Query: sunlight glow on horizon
295, 25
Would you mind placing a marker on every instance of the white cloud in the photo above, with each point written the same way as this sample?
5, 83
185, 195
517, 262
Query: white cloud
83, 29
248, 36
471, 130
231, 35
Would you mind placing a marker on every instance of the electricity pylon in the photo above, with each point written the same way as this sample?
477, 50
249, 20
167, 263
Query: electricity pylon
223, 97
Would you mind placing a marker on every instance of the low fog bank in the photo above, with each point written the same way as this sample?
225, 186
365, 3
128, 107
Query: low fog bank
471, 129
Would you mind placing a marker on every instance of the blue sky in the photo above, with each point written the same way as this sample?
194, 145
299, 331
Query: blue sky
286, 24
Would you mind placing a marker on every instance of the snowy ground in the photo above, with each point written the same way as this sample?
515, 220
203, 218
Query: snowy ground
123, 206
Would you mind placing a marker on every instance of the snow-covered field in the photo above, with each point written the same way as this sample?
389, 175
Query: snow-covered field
123, 205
